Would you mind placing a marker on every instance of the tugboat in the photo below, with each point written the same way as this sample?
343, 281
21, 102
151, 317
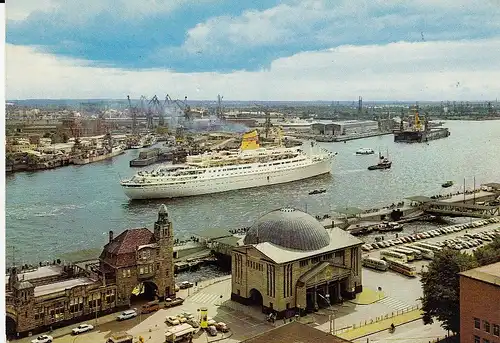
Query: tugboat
383, 163
317, 191
365, 151
447, 184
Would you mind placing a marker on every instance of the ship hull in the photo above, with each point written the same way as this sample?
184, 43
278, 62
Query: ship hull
82, 161
211, 185
420, 136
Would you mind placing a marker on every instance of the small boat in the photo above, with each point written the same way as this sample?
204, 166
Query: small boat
384, 163
365, 151
317, 191
447, 184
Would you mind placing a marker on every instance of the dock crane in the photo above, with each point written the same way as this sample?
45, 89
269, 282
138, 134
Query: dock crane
183, 106
267, 123
133, 112
155, 106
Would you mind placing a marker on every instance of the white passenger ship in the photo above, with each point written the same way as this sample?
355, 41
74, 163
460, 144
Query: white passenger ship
250, 166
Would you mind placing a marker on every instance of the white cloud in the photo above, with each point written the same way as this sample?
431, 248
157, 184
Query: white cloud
397, 71
77, 11
341, 21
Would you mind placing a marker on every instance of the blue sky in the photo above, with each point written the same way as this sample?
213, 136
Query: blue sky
229, 38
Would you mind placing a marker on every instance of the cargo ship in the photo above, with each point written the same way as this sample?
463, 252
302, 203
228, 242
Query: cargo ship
418, 132
98, 155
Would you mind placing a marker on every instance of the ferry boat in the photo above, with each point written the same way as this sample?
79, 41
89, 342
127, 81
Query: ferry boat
250, 166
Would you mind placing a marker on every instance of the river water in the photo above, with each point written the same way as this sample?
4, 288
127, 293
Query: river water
72, 208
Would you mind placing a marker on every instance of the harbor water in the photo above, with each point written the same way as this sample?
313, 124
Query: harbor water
52, 212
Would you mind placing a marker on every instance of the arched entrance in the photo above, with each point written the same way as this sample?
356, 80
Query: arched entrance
255, 298
10, 326
144, 292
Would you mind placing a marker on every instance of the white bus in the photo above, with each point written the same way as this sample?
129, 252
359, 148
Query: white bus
410, 255
179, 333
403, 268
389, 254
426, 253
428, 246
375, 263
417, 254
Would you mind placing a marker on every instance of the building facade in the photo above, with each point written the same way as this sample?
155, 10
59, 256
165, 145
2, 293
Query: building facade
137, 265
480, 305
288, 262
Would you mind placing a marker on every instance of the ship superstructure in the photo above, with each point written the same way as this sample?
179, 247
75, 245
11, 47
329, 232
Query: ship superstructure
250, 166
419, 131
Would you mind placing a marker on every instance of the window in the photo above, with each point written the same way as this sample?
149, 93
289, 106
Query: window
477, 339
128, 272
486, 326
304, 263
141, 270
477, 323
157, 266
124, 273
496, 330
486, 340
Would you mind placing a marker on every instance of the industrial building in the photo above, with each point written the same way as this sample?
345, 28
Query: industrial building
288, 262
347, 127
480, 304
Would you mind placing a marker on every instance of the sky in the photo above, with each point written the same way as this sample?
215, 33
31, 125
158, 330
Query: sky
254, 50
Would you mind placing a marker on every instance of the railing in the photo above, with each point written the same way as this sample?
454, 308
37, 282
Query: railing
377, 319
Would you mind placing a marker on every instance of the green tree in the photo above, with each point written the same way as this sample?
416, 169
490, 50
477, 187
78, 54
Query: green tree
441, 288
489, 253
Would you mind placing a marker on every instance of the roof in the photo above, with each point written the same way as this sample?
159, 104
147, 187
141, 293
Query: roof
419, 198
61, 286
492, 185
339, 239
489, 273
121, 250
213, 233
288, 228
295, 332
231, 241
39, 273
349, 210
23, 285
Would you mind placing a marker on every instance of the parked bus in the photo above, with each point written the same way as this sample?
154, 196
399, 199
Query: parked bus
390, 254
375, 263
179, 333
403, 268
428, 246
410, 255
417, 254
426, 253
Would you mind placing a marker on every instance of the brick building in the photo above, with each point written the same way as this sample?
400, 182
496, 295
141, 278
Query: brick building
480, 305
289, 262
136, 261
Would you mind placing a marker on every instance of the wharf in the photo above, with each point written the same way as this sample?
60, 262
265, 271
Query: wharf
345, 138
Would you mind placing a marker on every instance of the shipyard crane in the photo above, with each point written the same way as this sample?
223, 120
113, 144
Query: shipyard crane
183, 106
219, 112
133, 113
267, 123
155, 106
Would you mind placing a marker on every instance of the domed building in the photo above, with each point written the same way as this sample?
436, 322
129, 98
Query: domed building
289, 262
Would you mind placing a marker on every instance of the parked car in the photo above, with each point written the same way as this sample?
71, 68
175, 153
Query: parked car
127, 315
171, 320
43, 339
193, 323
222, 327
212, 330
186, 284
82, 328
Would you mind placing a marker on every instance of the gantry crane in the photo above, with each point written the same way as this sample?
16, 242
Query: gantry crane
183, 106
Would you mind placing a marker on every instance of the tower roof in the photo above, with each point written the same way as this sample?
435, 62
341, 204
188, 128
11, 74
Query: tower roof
163, 209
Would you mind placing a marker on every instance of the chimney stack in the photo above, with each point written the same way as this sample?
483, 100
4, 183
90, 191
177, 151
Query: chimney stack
110, 236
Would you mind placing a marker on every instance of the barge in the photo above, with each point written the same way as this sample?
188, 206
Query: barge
152, 156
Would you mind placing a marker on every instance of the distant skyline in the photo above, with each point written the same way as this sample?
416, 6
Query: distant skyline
265, 50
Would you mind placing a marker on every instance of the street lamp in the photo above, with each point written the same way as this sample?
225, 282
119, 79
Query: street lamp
331, 317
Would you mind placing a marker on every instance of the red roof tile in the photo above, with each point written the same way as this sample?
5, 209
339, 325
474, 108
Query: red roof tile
121, 251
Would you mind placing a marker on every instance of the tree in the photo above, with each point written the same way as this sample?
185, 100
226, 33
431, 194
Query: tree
441, 288
490, 253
